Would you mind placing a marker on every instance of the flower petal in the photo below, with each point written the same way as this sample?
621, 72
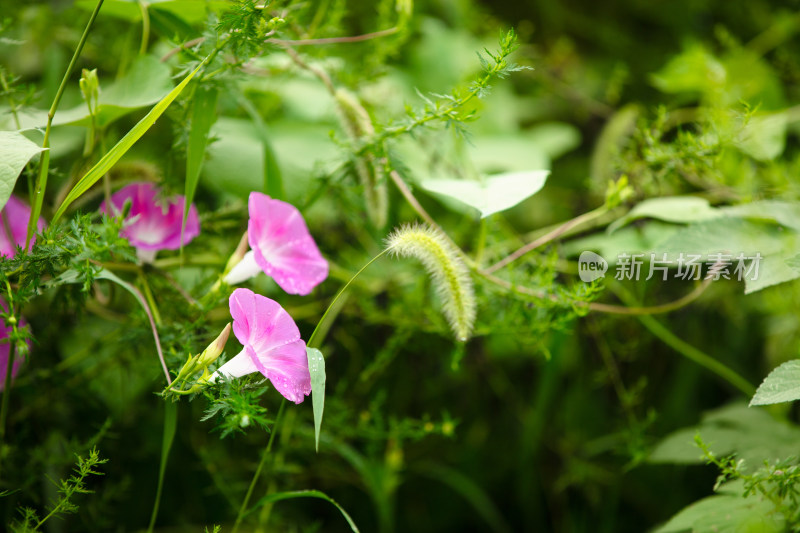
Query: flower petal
153, 224
240, 365
287, 369
272, 341
243, 270
282, 245
260, 322
14, 226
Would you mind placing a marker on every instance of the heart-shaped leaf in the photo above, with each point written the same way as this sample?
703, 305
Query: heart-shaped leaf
781, 385
15, 152
494, 193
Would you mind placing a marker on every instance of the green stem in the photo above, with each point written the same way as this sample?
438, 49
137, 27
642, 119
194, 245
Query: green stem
318, 328
544, 239
446, 112
261, 464
145, 27
687, 350
9, 369
414, 203
148, 294
44, 162
6, 389
170, 425
318, 16
12, 105
480, 248
106, 177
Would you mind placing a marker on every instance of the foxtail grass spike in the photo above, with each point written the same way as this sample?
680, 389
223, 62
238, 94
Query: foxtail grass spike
358, 125
449, 273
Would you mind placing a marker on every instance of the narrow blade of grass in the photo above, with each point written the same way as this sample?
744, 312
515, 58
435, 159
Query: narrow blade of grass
204, 109
124, 144
279, 496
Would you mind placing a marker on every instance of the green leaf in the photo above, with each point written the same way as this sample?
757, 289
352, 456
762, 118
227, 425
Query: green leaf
204, 113
781, 385
784, 213
615, 134
553, 138
124, 9
316, 366
739, 76
191, 11
629, 240
729, 512
147, 82
680, 209
236, 142
499, 154
733, 236
125, 144
494, 193
303, 151
171, 25
776, 268
170, 425
532, 148
729, 235
279, 496
752, 434
764, 136
15, 152
695, 70
273, 179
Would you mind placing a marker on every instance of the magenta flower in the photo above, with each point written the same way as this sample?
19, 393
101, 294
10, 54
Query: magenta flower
280, 246
272, 345
14, 227
153, 224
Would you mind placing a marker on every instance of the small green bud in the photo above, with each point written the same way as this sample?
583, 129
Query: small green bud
394, 456
214, 349
237, 254
358, 125
12, 321
275, 23
448, 428
90, 89
404, 8
618, 192
354, 117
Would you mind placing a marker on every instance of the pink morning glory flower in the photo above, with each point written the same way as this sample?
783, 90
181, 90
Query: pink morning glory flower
14, 226
153, 223
280, 246
272, 345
